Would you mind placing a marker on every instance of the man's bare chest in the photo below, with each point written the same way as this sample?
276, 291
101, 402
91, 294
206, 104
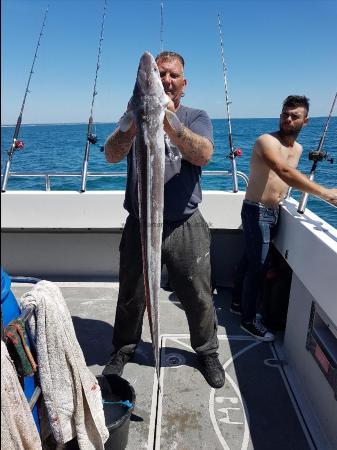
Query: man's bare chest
290, 155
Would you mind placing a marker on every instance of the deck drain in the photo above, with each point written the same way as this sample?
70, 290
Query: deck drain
174, 360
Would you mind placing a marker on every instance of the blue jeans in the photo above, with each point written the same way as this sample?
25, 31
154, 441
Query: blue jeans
259, 224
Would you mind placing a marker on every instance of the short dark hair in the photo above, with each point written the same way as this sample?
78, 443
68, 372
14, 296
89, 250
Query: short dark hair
294, 101
170, 55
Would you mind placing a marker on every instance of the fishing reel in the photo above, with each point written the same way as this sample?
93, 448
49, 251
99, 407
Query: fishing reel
318, 155
19, 145
236, 153
92, 138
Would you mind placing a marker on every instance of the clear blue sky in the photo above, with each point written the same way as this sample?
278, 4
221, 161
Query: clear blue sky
272, 49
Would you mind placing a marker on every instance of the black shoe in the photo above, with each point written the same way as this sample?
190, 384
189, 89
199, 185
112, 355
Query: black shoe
212, 370
258, 330
116, 364
235, 308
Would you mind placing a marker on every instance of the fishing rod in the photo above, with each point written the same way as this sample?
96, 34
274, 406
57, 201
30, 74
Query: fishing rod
91, 137
162, 26
233, 153
316, 156
17, 144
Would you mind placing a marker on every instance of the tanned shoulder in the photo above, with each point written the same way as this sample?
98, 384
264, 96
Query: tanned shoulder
299, 148
266, 142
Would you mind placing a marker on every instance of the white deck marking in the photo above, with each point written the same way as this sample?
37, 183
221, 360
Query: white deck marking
221, 337
246, 434
157, 398
156, 405
150, 441
160, 398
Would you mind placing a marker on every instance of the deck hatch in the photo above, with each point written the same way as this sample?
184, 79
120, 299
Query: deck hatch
322, 344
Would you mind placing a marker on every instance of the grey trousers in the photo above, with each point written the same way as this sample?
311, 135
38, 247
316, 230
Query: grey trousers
186, 254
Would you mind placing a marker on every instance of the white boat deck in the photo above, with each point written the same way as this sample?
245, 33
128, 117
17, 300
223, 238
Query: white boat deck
73, 239
254, 410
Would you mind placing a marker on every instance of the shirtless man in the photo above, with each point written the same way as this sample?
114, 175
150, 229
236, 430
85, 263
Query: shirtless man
272, 170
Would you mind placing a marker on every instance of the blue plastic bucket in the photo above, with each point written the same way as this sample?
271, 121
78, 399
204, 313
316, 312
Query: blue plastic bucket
10, 310
9, 306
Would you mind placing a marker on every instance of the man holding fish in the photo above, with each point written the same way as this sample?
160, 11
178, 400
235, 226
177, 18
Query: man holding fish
166, 144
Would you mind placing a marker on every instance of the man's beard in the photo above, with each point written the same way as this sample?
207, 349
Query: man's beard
289, 132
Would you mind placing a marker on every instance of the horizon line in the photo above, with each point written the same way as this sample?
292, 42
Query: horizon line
106, 123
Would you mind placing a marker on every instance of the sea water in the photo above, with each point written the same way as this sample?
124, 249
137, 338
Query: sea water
60, 148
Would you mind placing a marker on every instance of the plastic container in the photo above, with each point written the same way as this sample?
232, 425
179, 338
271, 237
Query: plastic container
9, 306
117, 416
10, 310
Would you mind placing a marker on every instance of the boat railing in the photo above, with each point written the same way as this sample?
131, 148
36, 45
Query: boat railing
301, 211
208, 173
48, 176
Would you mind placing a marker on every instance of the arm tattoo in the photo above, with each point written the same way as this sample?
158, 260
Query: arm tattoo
117, 146
195, 148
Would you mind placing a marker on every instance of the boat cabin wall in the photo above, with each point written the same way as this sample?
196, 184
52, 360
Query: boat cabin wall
310, 341
75, 237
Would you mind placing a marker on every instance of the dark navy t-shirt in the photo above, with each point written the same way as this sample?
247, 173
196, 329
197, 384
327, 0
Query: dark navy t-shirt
182, 191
